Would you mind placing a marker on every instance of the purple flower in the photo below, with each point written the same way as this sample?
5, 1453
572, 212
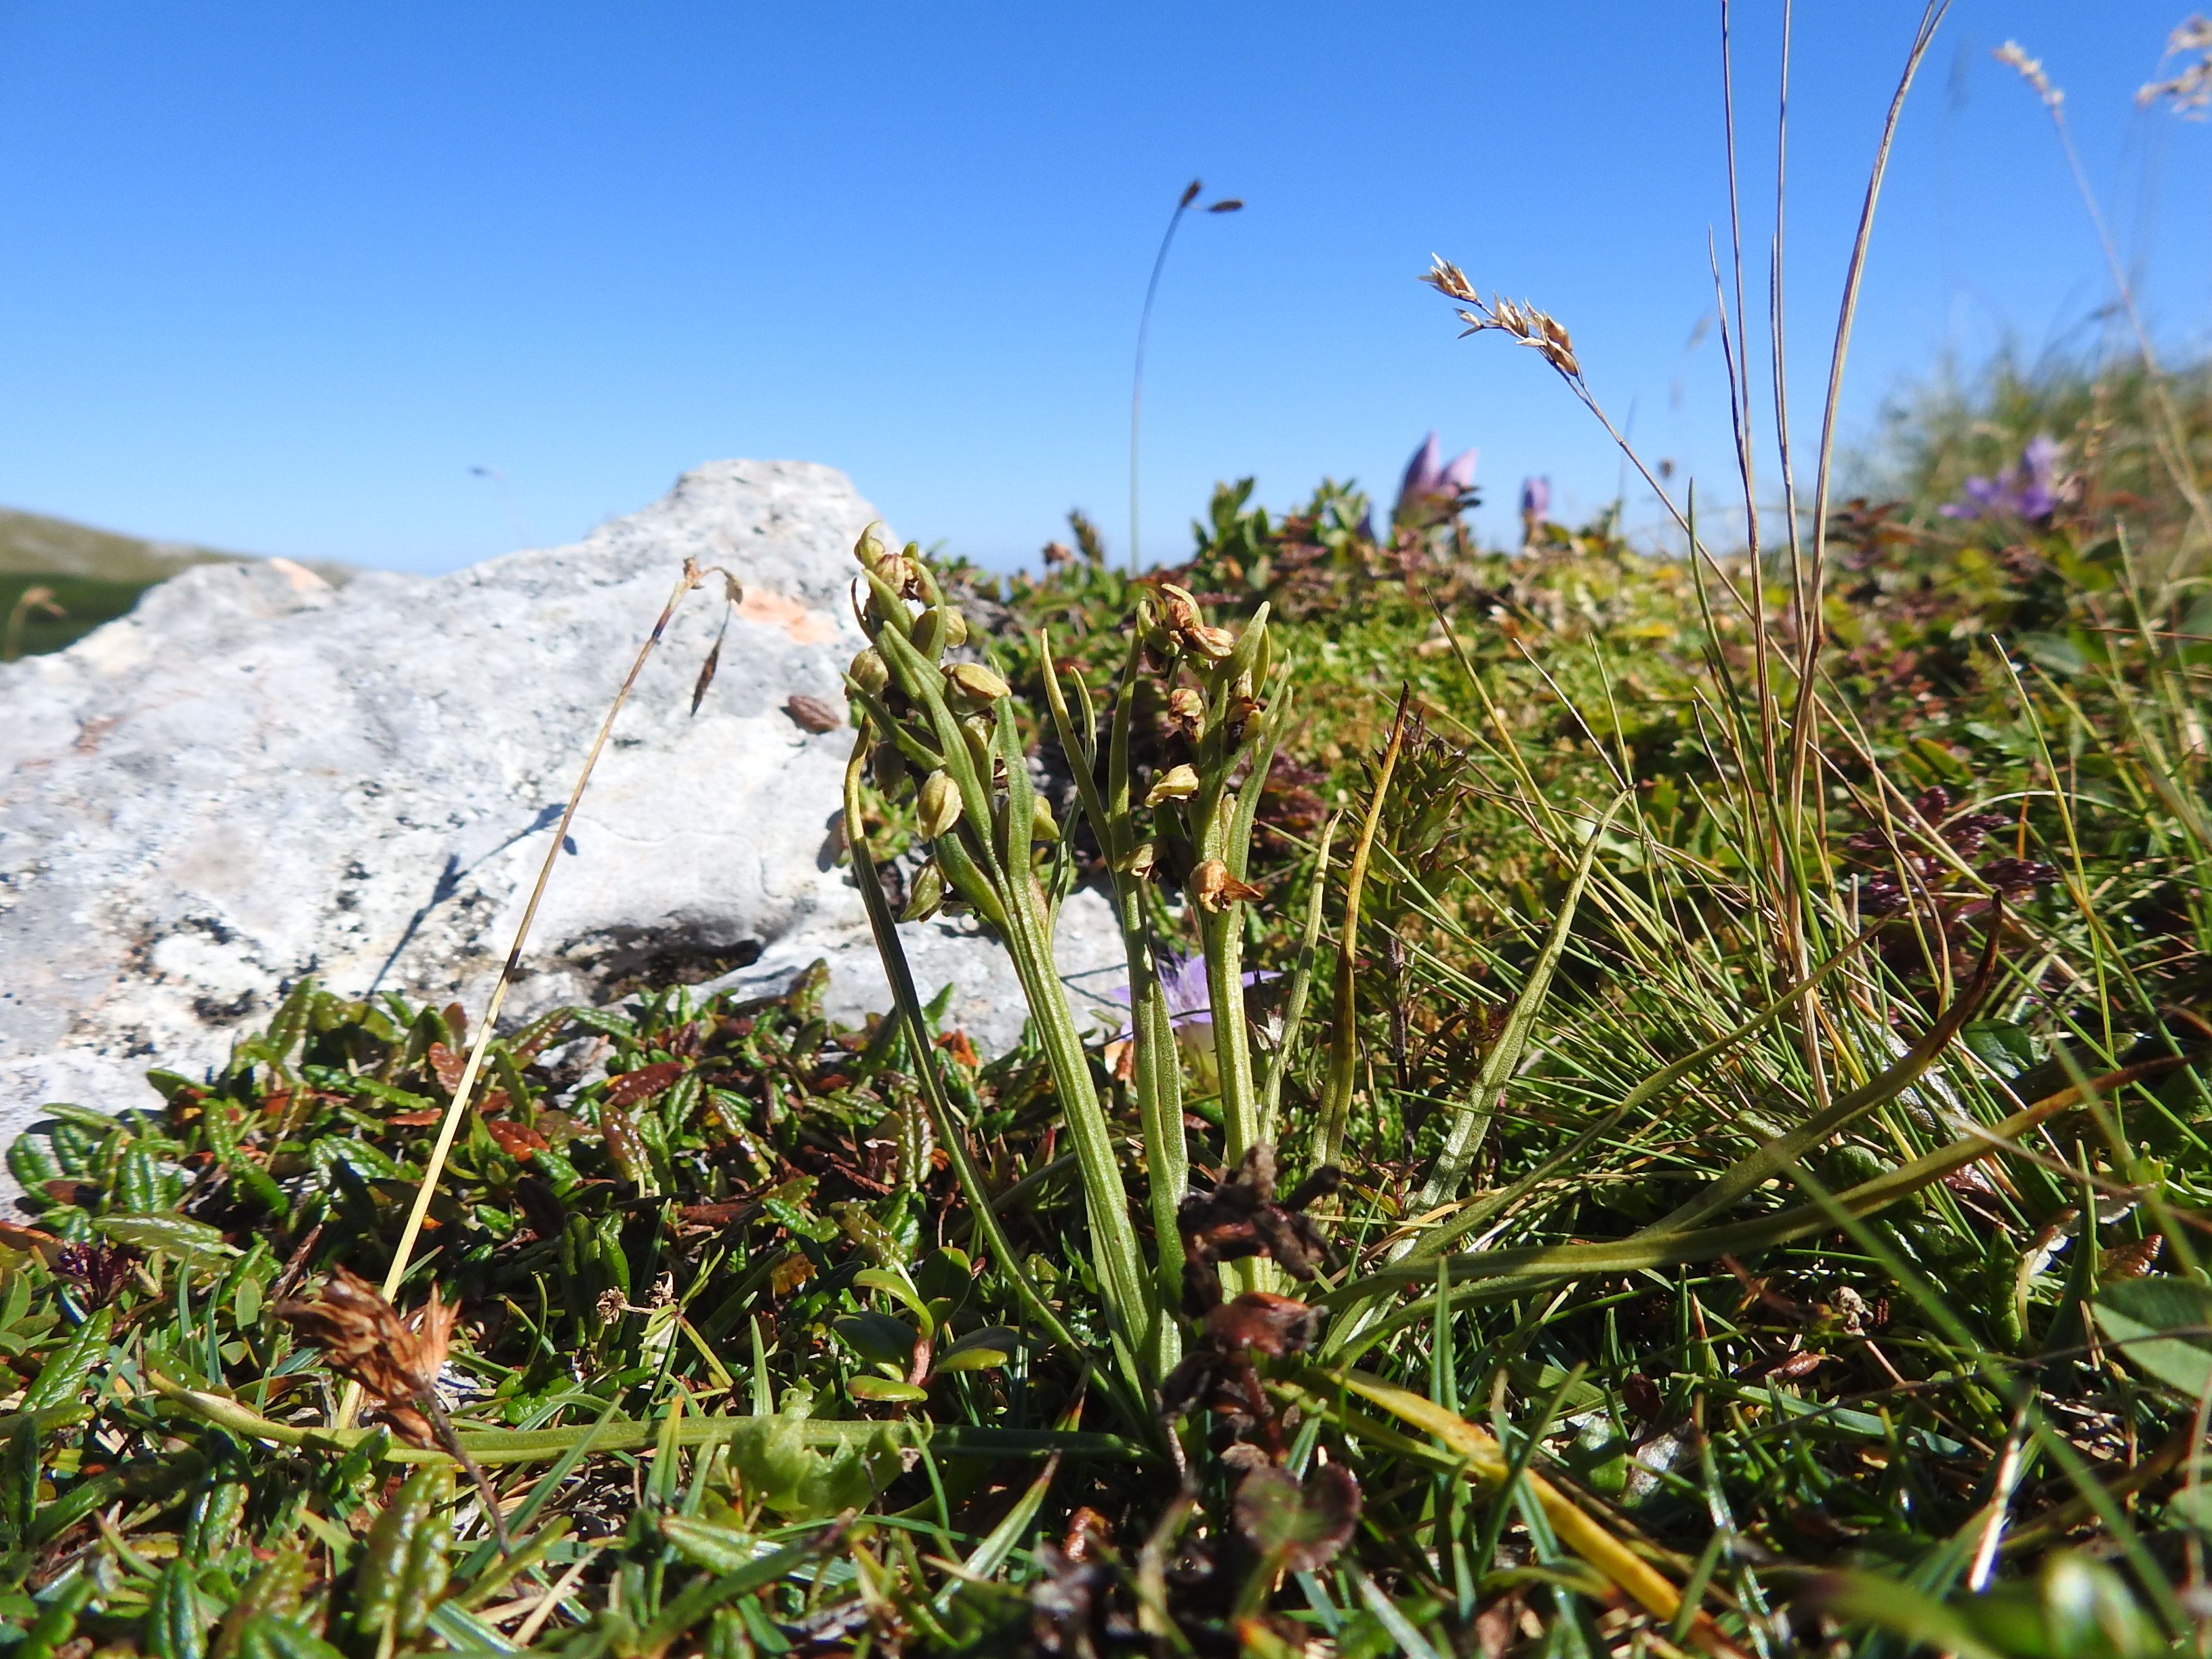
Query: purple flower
1190, 1004
1433, 488
2029, 489
1536, 509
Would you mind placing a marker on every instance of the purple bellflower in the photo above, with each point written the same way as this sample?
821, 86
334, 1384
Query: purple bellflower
2029, 489
1190, 1006
1536, 508
1433, 488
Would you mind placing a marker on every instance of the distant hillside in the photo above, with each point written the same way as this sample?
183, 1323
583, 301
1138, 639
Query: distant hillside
30, 543
93, 575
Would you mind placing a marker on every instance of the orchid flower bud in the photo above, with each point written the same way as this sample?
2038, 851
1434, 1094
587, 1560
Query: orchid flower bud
870, 671
1176, 783
898, 572
927, 897
939, 809
1179, 608
955, 627
976, 682
1140, 861
1218, 643
977, 730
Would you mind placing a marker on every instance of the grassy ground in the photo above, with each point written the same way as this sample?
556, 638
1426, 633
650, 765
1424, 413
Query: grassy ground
1761, 1228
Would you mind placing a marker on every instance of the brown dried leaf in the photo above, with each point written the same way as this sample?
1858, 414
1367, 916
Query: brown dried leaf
517, 1140
448, 1065
644, 1083
789, 1274
2131, 1261
1259, 1321
706, 674
1084, 1526
813, 713
1298, 1528
1784, 1368
1642, 1397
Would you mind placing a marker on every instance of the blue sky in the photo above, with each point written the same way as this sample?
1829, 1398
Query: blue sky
276, 277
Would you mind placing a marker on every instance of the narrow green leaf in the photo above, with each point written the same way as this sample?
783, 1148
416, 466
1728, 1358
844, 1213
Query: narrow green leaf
2162, 1327
63, 1376
1471, 1119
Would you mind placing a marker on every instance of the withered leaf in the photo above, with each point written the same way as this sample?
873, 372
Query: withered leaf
2131, 1261
1642, 1397
1785, 1368
706, 673
813, 713
1259, 1321
789, 1274
448, 1065
1298, 1528
517, 1140
644, 1083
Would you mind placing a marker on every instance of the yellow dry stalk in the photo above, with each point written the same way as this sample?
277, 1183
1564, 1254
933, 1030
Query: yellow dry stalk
1485, 1462
486, 1025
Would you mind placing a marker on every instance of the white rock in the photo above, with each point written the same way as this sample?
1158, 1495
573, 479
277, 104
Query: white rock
255, 776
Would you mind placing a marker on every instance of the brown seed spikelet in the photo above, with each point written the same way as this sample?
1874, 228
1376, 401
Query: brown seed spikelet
364, 1341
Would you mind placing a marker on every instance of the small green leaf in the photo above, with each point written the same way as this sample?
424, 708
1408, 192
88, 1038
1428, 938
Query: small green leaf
799, 1221
892, 1282
877, 1337
85, 1117
980, 1351
883, 1390
875, 1240
193, 1243
717, 1549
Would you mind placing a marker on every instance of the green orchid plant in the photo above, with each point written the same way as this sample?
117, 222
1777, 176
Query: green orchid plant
948, 733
